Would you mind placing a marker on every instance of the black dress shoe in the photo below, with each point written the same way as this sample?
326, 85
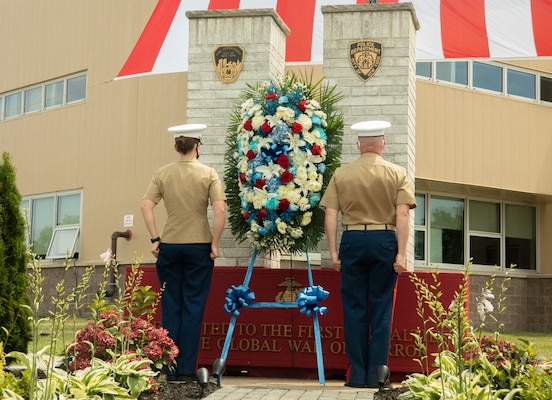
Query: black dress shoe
355, 385
386, 385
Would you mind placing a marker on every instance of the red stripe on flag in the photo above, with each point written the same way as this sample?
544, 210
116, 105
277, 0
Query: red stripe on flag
382, 1
541, 12
463, 29
299, 17
144, 54
224, 4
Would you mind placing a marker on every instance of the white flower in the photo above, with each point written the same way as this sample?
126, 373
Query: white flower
303, 204
312, 175
295, 141
246, 105
307, 217
286, 114
301, 174
257, 121
296, 233
314, 104
305, 121
322, 116
487, 294
269, 170
484, 307
313, 186
106, 257
281, 226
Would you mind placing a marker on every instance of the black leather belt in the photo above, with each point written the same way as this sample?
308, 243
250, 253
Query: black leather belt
370, 227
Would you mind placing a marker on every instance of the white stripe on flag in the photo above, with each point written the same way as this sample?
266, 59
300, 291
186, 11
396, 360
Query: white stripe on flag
258, 4
317, 45
173, 55
510, 28
428, 39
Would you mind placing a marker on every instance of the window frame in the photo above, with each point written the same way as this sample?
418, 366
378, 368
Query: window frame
22, 93
52, 254
468, 233
28, 200
543, 81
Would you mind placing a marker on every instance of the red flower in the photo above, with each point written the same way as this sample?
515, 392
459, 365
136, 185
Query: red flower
266, 127
246, 215
251, 154
283, 205
316, 150
283, 161
243, 178
248, 126
260, 183
262, 214
302, 105
271, 96
286, 176
296, 127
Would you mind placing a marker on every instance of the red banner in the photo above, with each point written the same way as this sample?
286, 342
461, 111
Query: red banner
281, 342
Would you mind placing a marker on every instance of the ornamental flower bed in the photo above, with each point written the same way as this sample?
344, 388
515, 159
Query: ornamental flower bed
284, 144
115, 335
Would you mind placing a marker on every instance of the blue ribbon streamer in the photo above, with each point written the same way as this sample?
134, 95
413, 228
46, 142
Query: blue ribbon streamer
232, 323
237, 297
308, 299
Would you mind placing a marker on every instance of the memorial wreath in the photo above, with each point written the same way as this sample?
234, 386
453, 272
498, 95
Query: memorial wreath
283, 145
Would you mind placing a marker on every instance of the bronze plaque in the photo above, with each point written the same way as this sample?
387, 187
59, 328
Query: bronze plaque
228, 62
365, 57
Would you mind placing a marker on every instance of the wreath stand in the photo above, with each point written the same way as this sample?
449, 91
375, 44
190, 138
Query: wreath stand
241, 296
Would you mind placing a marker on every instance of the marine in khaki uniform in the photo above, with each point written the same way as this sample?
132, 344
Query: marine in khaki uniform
374, 197
186, 248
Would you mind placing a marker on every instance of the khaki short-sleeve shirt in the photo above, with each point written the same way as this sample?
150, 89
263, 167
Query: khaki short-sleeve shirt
187, 188
367, 190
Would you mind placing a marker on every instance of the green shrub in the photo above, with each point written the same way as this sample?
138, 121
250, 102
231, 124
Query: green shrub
13, 263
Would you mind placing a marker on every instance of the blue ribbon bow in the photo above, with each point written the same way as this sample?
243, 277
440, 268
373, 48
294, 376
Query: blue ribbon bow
308, 299
237, 297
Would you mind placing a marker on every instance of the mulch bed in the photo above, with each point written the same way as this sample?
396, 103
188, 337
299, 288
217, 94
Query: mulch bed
180, 390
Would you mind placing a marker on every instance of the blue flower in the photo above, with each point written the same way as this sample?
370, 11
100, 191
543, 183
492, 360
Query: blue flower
314, 199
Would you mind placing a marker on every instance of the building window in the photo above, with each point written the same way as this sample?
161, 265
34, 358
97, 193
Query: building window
49, 214
484, 226
424, 69
446, 230
40, 97
487, 76
13, 105
53, 95
455, 72
76, 88
521, 244
420, 228
520, 83
545, 89
33, 100
487, 232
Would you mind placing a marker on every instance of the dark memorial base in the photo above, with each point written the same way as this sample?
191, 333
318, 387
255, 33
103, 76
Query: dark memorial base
280, 342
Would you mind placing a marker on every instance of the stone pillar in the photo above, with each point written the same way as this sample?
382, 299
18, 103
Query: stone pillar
261, 33
390, 93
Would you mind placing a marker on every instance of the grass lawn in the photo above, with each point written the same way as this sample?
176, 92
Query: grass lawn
541, 341
67, 335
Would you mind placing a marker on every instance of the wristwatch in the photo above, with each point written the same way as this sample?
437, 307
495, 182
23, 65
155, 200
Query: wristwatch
157, 239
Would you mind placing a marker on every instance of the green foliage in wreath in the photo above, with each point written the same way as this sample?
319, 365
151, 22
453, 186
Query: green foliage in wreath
283, 146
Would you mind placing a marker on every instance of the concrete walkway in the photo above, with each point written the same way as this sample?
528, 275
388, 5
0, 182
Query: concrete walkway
246, 388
